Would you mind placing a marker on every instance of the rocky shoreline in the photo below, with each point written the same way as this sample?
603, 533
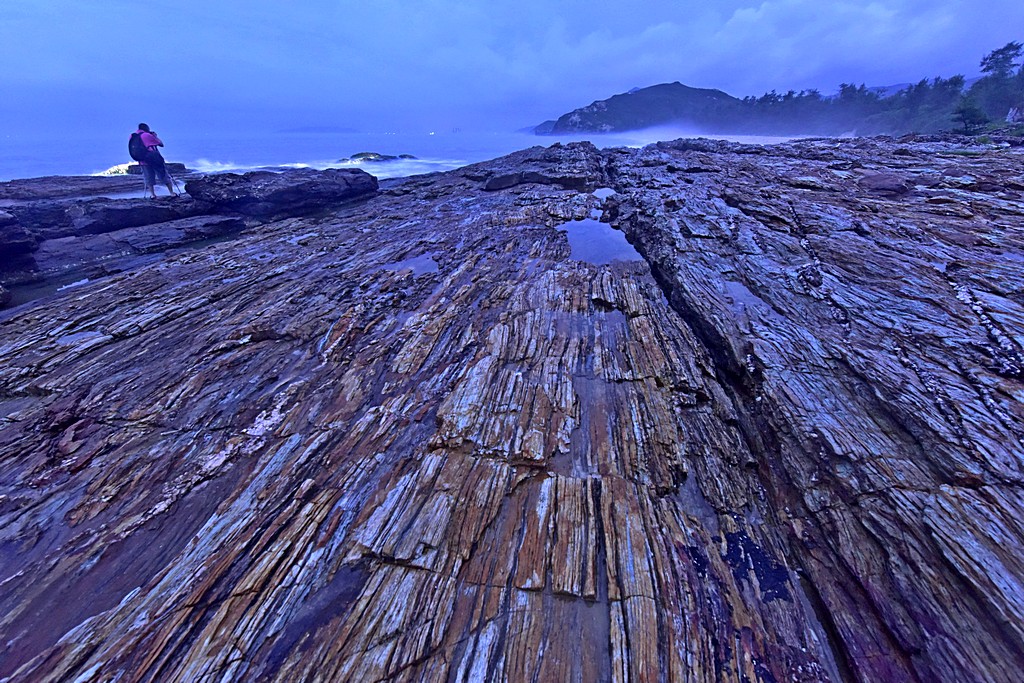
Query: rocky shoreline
403, 431
58, 231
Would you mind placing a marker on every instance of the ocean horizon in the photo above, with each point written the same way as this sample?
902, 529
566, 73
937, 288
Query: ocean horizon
33, 155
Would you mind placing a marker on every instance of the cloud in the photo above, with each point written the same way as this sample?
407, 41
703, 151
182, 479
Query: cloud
431, 62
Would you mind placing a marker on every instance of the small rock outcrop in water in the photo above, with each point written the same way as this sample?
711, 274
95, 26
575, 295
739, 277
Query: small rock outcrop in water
376, 156
415, 439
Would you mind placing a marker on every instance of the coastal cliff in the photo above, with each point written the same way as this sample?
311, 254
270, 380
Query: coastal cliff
416, 434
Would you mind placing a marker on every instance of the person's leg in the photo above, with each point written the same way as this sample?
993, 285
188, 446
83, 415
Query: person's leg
148, 180
164, 177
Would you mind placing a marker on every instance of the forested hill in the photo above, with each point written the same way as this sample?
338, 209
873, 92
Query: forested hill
928, 106
646, 107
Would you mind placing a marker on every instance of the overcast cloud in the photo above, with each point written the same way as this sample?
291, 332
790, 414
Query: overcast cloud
429, 63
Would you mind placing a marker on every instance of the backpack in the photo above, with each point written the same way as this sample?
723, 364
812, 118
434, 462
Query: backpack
137, 150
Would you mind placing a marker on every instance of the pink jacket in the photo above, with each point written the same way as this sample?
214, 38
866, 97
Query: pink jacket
150, 141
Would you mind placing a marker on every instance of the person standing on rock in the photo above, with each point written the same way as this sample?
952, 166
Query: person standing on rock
151, 161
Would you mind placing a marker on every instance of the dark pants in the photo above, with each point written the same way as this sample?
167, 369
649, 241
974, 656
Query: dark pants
152, 172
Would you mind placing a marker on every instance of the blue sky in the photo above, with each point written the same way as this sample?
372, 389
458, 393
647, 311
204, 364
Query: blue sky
441, 63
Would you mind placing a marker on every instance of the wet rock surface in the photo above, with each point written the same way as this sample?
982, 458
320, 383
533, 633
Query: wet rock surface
413, 438
36, 210
55, 187
92, 256
50, 241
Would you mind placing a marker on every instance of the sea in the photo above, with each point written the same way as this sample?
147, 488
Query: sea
97, 152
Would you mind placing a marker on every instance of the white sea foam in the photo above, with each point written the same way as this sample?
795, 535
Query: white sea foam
400, 168
208, 166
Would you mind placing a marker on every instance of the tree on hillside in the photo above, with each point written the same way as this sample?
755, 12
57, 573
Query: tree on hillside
1000, 64
925, 107
969, 115
854, 106
1002, 87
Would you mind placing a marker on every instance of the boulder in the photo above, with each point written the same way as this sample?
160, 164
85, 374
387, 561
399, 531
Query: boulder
507, 180
571, 167
885, 184
295, 192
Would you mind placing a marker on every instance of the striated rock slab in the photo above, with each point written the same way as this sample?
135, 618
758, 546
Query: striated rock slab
415, 439
52, 219
263, 193
44, 242
100, 216
49, 241
57, 187
91, 256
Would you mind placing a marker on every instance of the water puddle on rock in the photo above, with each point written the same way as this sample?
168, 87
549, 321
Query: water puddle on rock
22, 294
595, 242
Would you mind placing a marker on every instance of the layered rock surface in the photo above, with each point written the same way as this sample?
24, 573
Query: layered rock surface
269, 194
54, 231
415, 439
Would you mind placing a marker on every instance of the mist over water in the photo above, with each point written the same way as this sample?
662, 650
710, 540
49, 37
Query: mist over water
33, 155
